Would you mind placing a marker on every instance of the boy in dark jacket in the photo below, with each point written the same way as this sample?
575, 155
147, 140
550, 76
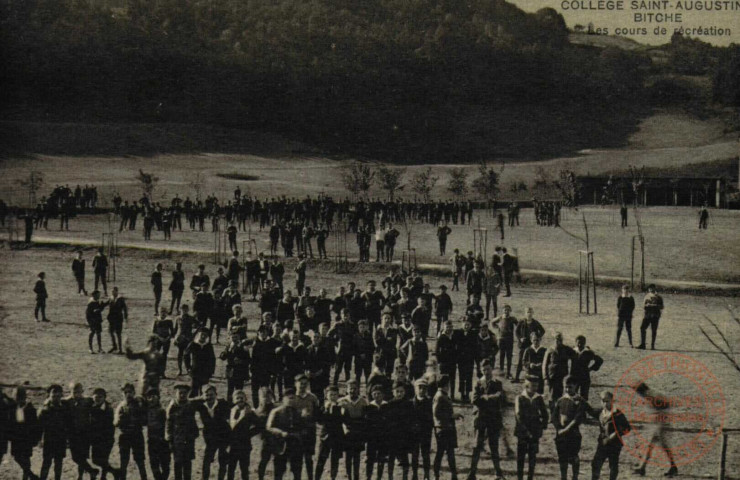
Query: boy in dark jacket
243, 424
625, 308
159, 450
24, 432
214, 415
54, 422
531, 419
203, 361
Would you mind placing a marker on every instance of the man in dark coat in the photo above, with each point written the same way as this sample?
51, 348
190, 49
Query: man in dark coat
102, 433
214, 415
41, 295
78, 269
489, 400
24, 432
203, 361
100, 267
181, 430
54, 419
79, 407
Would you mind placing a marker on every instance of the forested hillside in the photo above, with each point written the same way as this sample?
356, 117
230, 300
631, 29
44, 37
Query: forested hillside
401, 80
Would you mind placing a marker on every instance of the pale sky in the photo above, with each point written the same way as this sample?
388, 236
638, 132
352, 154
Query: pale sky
624, 18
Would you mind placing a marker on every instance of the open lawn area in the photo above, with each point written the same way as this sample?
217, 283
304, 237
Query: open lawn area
675, 249
57, 351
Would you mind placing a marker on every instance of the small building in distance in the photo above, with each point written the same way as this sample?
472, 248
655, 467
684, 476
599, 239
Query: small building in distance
656, 190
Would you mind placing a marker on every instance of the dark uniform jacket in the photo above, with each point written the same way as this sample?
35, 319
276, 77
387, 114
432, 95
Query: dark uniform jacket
78, 268
488, 399
446, 350
101, 424
54, 422
25, 434
181, 430
531, 417
203, 360
583, 363
215, 421
237, 361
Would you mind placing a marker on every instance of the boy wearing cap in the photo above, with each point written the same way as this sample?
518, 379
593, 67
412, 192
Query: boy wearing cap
533, 358
442, 307
567, 415
321, 356
445, 430
506, 324
263, 360
307, 405
199, 280
54, 420
653, 308
284, 425
41, 295
244, 424
300, 273
354, 408
523, 331
399, 412
423, 425
102, 433
164, 329
79, 407
446, 352
487, 348
374, 302
489, 399
24, 432
185, 325
181, 430
156, 282
364, 348
117, 315
343, 333
458, 263
613, 424
386, 338
466, 343
203, 361
203, 306
100, 267
531, 417
331, 434
130, 418
177, 287
94, 317
491, 289
625, 308
376, 426
584, 362
214, 415
78, 269
417, 353
158, 448
236, 356
555, 366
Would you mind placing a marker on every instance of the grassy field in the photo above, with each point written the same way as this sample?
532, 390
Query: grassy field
177, 153
675, 248
57, 352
